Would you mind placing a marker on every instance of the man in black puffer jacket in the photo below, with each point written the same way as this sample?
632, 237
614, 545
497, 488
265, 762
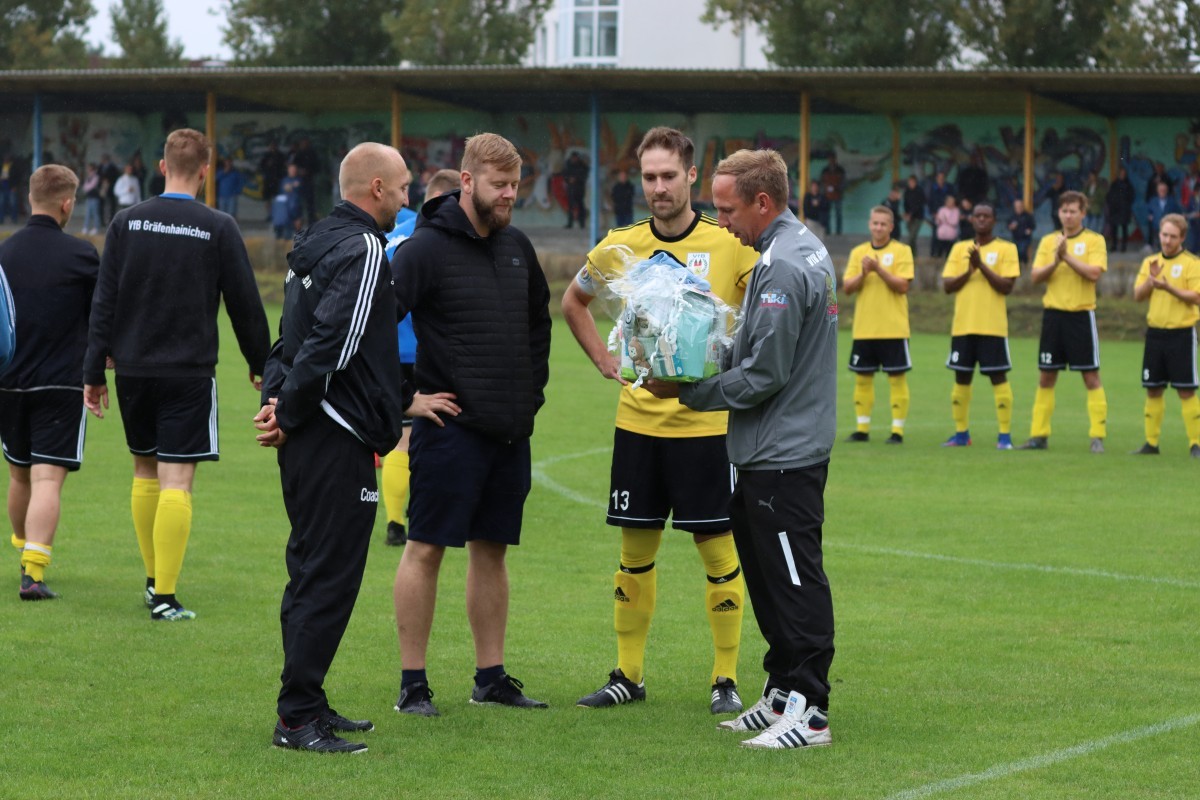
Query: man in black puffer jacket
480, 307
329, 404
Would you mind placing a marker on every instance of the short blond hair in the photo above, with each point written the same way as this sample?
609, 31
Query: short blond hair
52, 184
1178, 220
755, 172
186, 151
490, 150
444, 180
885, 211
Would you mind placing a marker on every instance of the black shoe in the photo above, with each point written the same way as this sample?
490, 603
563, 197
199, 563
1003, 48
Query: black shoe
725, 698
504, 691
1035, 443
35, 590
858, 436
416, 698
336, 722
1194, 451
618, 690
895, 438
396, 535
1146, 449
314, 737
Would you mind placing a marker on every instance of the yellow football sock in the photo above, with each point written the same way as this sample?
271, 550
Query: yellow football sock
1043, 410
144, 502
634, 593
35, 558
1191, 419
960, 407
1003, 394
898, 384
864, 399
1097, 406
17, 542
172, 526
724, 599
395, 485
1156, 408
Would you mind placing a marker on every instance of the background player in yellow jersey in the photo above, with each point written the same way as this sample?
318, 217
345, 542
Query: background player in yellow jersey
880, 272
1070, 263
980, 274
668, 460
1170, 280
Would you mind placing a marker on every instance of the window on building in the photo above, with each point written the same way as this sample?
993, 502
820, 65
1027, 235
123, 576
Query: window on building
595, 31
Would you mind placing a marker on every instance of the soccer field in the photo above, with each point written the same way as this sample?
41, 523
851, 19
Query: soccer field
1009, 625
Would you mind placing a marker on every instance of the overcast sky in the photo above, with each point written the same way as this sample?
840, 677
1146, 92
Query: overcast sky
188, 21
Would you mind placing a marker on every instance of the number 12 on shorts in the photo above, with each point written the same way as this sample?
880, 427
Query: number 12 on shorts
1046, 358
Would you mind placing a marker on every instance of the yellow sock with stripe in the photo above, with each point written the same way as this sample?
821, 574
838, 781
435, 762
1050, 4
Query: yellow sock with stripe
864, 399
1156, 408
17, 542
172, 526
1003, 394
898, 386
1043, 411
724, 600
35, 558
1191, 419
960, 407
395, 485
144, 503
634, 595
1097, 406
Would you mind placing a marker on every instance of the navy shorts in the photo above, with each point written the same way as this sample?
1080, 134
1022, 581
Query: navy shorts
1069, 339
464, 486
1170, 357
989, 352
43, 426
872, 355
689, 479
170, 419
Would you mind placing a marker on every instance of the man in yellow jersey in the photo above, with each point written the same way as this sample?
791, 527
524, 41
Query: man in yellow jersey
1070, 263
880, 272
668, 460
1170, 280
980, 274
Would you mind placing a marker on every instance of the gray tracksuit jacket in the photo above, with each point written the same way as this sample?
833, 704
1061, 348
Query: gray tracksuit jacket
782, 388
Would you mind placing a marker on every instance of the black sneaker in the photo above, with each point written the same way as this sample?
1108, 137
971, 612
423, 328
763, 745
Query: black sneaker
396, 535
314, 737
504, 691
169, 611
35, 590
858, 436
336, 722
1035, 443
1146, 449
416, 698
895, 438
1194, 451
725, 698
618, 690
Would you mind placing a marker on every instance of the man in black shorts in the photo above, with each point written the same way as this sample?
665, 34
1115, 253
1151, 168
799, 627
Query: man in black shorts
42, 419
480, 307
168, 263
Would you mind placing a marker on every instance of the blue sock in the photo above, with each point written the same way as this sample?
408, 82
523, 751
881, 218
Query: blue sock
410, 676
486, 676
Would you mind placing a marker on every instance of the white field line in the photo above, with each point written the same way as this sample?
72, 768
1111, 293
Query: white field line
538, 474
1045, 759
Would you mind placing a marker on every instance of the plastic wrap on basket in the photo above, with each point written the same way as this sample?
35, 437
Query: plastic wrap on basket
670, 326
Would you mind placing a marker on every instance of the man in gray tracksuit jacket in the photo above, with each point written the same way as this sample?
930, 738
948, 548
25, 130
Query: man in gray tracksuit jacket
781, 394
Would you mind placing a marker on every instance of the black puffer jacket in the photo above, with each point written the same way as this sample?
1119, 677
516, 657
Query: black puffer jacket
481, 312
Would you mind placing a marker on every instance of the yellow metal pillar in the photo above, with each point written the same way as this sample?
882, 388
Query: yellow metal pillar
397, 120
1029, 133
210, 130
805, 146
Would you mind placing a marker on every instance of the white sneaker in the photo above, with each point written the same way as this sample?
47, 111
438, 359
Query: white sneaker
800, 725
758, 717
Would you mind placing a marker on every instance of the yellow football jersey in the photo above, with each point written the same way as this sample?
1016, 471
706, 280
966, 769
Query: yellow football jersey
1067, 290
711, 253
978, 308
1181, 271
880, 313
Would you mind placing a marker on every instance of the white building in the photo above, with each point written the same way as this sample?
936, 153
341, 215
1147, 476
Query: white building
642, 33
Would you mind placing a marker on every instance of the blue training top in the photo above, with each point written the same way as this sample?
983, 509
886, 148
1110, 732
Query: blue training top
406, 220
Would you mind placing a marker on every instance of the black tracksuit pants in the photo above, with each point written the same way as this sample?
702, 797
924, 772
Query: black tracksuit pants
777, 517
330, 493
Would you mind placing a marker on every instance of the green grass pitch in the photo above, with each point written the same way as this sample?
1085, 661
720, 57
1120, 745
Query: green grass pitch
1008, 625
